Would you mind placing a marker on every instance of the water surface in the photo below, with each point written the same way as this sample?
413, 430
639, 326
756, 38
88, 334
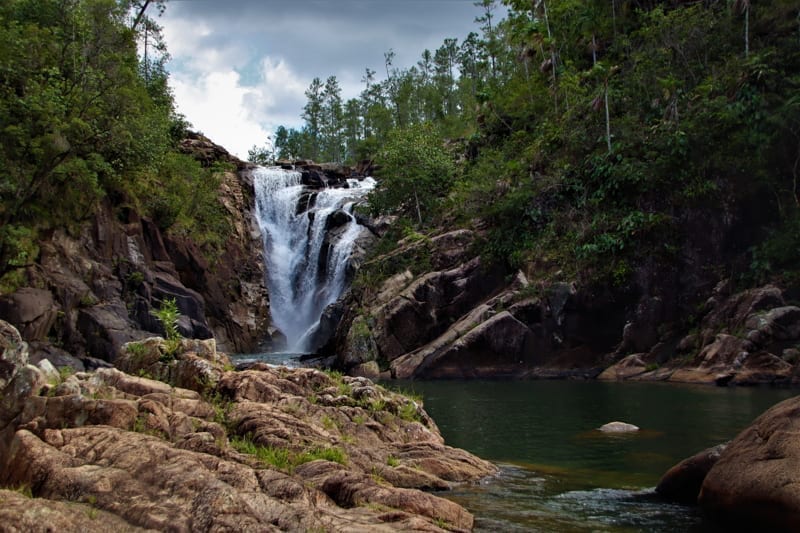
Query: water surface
558, 473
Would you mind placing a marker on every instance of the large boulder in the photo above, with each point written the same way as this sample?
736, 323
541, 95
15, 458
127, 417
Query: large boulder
742, 341
756, 481
490, 348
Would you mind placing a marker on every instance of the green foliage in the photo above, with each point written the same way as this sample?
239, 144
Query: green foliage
284, 459
181, 197
409, 412
416, 173
779, 254
84, 121
168, 316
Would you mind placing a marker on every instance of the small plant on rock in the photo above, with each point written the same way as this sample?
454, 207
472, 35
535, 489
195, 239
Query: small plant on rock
168, 315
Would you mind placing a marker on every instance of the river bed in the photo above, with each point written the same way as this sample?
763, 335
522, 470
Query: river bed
558, 473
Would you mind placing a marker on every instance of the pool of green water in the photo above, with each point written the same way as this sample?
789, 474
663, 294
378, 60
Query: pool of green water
558, 473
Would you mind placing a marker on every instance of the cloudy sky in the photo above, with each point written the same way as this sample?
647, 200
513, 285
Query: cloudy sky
239, 68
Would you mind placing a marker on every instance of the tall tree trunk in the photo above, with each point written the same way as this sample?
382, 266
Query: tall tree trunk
608, 120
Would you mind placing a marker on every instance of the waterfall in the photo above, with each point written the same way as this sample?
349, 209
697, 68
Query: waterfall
306, 271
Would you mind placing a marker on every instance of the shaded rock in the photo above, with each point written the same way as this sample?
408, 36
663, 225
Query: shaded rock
106, 328
13, 353
682, 482
641, 333
32, 311
20, 513
58, 357
754, 484
359, 346
628, 367
493, 347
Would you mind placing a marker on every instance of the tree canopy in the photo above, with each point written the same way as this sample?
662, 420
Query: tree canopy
589, 127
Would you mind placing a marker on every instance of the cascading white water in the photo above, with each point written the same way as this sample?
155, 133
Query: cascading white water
294, 235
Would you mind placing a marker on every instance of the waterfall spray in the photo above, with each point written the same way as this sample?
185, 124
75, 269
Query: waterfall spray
302, 277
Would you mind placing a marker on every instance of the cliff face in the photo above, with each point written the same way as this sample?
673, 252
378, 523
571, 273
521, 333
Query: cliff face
437, 310
89, 293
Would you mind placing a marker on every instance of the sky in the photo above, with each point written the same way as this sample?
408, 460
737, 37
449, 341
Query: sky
240, 68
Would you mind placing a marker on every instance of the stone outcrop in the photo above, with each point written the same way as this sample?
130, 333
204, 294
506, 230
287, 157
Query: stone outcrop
93, 290
744, 338
264, 449
756, 481
618, 427
448, 314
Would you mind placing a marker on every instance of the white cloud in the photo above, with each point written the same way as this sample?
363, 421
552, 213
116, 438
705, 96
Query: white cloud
216, 104
240, 68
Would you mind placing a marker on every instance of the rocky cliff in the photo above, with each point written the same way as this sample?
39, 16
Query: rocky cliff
92, 290
433, 308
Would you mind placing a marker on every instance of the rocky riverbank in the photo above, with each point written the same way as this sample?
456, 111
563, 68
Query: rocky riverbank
263, 449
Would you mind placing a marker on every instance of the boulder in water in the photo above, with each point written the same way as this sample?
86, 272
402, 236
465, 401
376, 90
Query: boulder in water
618, 427
754, 484
682, 482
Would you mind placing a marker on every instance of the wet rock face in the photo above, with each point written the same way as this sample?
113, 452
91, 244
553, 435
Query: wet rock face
267, 448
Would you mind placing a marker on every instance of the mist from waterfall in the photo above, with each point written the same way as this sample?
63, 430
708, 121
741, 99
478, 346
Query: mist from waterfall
294, 222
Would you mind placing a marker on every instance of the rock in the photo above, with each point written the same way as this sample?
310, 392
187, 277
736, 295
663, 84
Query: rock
618, 427
628, 367
754, 484
58, 357
106, 328
359, 346
494, 347
13, 353
682, 482
32, 311
640, 334
138, 453
21, 513
369, 370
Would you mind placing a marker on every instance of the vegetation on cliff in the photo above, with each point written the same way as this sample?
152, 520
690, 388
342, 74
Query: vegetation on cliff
599, 135
84, 120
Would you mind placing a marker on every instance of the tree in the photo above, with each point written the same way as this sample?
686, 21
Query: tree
261, 155
416, 173
312, 114
331, 141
